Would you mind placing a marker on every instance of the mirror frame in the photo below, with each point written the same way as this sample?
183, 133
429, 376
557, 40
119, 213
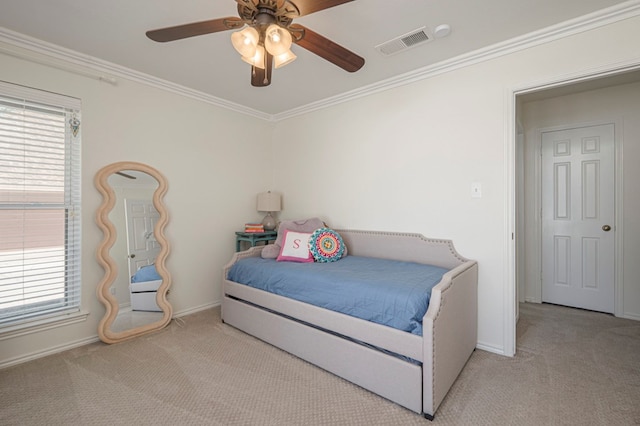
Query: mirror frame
108, 263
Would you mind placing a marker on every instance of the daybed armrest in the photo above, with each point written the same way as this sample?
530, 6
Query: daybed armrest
251, 252
450, 332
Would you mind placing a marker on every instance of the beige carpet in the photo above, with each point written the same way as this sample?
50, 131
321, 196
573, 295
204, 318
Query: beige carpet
572, 368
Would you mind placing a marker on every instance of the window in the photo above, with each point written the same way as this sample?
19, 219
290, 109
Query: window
39, 205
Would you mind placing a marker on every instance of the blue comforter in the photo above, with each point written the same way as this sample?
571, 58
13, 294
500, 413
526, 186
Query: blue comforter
388, 292
146, 273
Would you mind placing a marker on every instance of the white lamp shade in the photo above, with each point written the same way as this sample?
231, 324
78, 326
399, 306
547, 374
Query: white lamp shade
245, 41
284, 59
268, 202
257, 60
277, 40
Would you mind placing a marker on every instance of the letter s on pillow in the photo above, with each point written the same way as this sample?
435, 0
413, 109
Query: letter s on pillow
295, 247
272, 251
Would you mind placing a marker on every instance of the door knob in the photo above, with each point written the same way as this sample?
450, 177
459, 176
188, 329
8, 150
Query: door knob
132, 255
606, 228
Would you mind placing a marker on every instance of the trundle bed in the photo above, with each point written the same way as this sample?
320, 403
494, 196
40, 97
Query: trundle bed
414, 367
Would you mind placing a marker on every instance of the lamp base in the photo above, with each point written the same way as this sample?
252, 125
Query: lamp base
269, 222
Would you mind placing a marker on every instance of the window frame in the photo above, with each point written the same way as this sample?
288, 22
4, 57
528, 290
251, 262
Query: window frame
70, 309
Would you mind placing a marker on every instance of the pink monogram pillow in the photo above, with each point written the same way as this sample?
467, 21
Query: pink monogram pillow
271, 251
295, 247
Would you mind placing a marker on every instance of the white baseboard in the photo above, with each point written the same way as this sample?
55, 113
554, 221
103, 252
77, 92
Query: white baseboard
56, 349
86, 341
195, 309
490, 348
631, 316
49, 351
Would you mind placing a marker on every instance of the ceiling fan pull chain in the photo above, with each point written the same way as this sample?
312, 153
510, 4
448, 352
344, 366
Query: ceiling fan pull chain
266, 72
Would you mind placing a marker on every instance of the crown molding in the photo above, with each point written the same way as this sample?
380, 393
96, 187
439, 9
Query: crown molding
48, 54
584, 23
34, 50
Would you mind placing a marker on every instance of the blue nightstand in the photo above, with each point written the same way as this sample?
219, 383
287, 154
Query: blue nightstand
255, 237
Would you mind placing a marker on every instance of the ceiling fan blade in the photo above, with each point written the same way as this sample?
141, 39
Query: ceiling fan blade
325, 48
307, 7
195, 29
262, 77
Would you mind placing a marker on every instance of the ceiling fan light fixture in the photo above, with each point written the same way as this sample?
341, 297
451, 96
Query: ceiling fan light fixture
277, 40
245, 41
257, 60
284, 59
264, 32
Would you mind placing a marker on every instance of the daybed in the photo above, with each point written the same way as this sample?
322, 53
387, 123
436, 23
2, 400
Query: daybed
143, 288
415, 371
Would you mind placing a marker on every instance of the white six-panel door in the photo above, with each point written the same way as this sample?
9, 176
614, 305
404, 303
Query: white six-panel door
141, 217
578, 243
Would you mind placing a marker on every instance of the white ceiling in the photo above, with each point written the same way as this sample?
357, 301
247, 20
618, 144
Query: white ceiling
114, 31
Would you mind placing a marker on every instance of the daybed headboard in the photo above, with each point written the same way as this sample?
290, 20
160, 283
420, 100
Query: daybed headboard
401, 246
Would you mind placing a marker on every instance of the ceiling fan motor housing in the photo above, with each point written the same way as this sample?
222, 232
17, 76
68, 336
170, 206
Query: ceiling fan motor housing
267, 12
264, 18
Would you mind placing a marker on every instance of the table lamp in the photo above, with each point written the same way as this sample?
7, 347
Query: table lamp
268, 202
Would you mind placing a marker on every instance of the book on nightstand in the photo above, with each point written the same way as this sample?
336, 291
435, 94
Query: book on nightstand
253, 227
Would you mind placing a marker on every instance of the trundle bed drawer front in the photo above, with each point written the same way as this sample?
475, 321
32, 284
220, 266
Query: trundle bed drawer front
385, 375
384, 337
145, 302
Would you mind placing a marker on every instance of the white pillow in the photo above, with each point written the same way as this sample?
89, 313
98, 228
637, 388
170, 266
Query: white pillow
295, 247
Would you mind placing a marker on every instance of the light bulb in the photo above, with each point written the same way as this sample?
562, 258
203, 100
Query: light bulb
278, 40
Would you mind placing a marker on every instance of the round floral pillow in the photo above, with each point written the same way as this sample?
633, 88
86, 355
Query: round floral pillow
326, 245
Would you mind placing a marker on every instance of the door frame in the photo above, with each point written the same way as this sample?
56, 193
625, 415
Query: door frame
513, 225
536, 256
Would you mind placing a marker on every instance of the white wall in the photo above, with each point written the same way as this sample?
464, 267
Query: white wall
200, 148
619, 104
404, 159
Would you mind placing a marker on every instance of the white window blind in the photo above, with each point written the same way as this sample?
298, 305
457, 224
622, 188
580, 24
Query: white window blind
39, 205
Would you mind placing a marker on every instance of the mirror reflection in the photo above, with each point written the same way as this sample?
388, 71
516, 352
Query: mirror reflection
132, 217
135, 249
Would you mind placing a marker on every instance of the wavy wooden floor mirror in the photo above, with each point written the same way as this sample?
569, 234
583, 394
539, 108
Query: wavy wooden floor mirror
132, 217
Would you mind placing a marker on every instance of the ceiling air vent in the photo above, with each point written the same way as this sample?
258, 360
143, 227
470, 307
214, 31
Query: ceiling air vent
404, 42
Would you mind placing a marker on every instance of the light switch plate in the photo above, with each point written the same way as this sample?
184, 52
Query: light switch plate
476, 190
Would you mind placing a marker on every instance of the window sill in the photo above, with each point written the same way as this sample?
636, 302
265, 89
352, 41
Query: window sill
36, 326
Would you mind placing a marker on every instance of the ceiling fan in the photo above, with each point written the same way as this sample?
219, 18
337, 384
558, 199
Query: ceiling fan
266, 40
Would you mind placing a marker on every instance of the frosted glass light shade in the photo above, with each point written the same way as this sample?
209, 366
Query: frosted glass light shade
284, 59
245, 41
257, 60
277, 40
